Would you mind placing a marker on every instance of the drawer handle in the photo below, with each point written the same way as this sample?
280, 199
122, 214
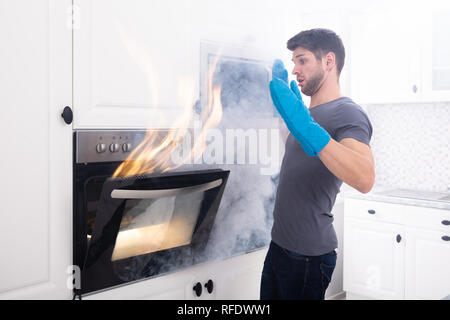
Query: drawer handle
445, 222
371, 211
446, 238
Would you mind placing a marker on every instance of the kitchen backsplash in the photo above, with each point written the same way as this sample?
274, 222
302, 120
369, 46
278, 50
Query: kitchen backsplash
411, 144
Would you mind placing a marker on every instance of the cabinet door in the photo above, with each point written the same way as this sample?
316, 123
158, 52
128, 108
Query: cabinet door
239, 278
36, 190
385, 56
427, 264
133, 63
373, 259
436, 47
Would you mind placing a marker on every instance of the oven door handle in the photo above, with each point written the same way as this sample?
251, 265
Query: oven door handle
151, 194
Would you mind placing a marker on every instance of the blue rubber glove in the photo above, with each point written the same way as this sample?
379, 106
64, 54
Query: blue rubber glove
289, 104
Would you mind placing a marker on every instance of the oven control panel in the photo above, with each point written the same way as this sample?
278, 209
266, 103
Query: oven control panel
110, 145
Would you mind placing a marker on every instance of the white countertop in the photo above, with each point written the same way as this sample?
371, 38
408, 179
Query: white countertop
410, 197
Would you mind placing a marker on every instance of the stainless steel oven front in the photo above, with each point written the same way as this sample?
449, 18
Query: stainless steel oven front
133, 228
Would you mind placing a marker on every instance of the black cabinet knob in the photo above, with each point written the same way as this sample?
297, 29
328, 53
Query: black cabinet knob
445, 238
198, 289
209, 286
445, 222
371, 211
67, 115
399, 238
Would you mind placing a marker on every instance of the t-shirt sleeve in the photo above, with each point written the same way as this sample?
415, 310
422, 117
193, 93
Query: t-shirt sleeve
353, 122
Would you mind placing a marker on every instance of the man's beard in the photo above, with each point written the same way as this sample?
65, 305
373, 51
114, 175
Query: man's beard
314, 84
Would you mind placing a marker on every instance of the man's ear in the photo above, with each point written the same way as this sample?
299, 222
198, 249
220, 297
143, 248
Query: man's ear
330, 60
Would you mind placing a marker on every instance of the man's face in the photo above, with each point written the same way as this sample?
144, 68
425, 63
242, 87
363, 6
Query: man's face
308, 70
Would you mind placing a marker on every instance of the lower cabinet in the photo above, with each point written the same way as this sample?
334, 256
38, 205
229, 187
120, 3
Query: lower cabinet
373, 259
236, 278
428, 259
391, 257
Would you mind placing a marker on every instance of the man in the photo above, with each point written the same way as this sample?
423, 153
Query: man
328, 144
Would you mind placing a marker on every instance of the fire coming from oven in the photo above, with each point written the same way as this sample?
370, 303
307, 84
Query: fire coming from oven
244, 217
154, 153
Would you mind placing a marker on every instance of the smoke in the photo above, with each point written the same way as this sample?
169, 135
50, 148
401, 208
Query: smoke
244, 219
248, 143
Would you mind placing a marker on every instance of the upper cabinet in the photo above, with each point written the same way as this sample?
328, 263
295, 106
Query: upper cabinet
384, 57
137, 64
133, 63
436, 56
400, 55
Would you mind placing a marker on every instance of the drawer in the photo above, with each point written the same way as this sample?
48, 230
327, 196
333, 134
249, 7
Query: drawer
375, 211
414, 216
429, 218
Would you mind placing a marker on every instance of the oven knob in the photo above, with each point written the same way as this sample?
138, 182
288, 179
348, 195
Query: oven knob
114, 147
126, 147
198, 289
101, 147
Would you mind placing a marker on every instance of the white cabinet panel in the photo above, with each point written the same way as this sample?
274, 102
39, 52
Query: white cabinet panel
435, 63
414, 268
385, 57
373, 260
239, 278
36, 213
428, 264
133, 63
421, 217
375, 210
399, 55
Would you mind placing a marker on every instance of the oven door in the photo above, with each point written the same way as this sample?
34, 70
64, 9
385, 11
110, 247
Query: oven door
148, 225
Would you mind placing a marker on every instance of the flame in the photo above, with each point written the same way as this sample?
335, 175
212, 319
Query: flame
155, 151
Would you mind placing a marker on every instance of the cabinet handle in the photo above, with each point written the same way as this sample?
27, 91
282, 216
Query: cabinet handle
445, 238
399, 238
67, 115
415, 88
371, 211
198, 289
445, 222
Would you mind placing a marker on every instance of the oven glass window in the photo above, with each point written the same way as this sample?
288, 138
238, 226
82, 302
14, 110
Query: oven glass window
150, 225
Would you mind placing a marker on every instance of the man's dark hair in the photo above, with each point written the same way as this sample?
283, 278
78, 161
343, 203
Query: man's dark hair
320, 42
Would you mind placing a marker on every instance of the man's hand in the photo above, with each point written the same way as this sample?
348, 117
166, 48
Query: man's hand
289, 104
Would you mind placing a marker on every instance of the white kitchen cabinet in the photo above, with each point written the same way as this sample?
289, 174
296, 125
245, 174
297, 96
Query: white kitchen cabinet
399, 55
236, 278
435, 24
373, 259
137, 63
395, 251
428, 260
36, 191
239, 278
133, 63
385, 56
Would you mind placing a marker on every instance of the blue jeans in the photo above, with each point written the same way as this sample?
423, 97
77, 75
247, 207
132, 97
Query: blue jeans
292, 276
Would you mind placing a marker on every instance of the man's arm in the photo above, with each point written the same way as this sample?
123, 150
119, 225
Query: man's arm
351, 161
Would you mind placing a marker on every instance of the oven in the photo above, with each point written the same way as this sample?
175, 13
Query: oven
127, 229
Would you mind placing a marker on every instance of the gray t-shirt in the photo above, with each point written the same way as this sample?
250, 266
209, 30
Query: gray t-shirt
307, 190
